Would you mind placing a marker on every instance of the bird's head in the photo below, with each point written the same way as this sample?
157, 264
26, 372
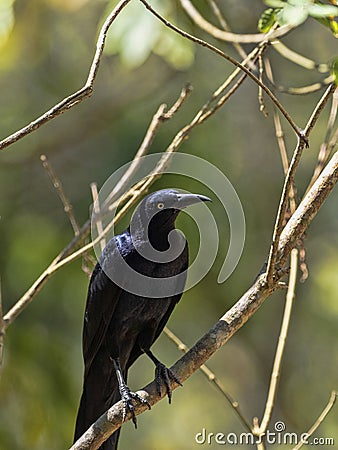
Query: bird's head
158, 211
161, 208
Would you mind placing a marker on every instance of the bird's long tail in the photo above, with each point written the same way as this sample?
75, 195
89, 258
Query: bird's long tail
100, 392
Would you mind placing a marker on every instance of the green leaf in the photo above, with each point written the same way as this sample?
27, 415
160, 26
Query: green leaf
329, 23
266, 21
292, 15
334, 27
318, 10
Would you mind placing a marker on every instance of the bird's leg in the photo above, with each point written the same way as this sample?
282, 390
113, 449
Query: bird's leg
163, 375
127, 395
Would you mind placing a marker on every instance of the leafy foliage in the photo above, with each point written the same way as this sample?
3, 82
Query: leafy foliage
295, 12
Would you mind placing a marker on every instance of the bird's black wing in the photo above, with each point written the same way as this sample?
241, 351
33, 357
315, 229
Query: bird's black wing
102, 298
100, 387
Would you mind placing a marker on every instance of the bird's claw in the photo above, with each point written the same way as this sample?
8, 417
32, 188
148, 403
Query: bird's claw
163, 375
127, 397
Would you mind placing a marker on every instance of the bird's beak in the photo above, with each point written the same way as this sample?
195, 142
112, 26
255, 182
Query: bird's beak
185, 200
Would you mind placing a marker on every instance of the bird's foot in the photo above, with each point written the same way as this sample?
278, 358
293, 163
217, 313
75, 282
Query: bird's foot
163, 375
127, 397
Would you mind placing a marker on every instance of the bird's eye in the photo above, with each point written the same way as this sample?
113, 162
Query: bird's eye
160, 205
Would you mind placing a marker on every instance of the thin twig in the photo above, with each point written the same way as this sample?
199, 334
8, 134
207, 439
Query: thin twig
232, 320
223, 99
207, 109
280, 346
288, 182
97, 210
67, 206
278, 227
321, 418
186, 91
325, 148
292, 197
309, 89
297, 58
226, 35
231, 60
75, 98
211, 377
281, 141
304, 62
262, 106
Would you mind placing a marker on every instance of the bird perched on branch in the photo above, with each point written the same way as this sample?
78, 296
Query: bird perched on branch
133, 289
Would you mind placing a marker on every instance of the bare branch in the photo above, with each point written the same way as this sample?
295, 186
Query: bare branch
77, 97
231, 60
322, 416
281, 345
326, 148
307, 209
67, 206
304, 62
262, 106
288, 182
186, 91
232, 320
226, 35
97, 211
281, 141
298, 59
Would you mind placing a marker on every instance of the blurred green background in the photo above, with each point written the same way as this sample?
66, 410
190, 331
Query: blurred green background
46, 49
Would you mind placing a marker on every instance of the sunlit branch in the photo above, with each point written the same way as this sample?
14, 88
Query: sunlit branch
78, 96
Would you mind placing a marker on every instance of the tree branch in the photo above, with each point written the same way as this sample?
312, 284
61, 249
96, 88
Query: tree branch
77, 97
280, 346
322, 416
326, 148
233, 61
226, 35
289, 179
67, 206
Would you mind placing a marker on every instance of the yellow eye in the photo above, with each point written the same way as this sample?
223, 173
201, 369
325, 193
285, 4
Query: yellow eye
160, 205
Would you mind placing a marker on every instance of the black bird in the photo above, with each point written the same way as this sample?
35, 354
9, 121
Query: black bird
120, 325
